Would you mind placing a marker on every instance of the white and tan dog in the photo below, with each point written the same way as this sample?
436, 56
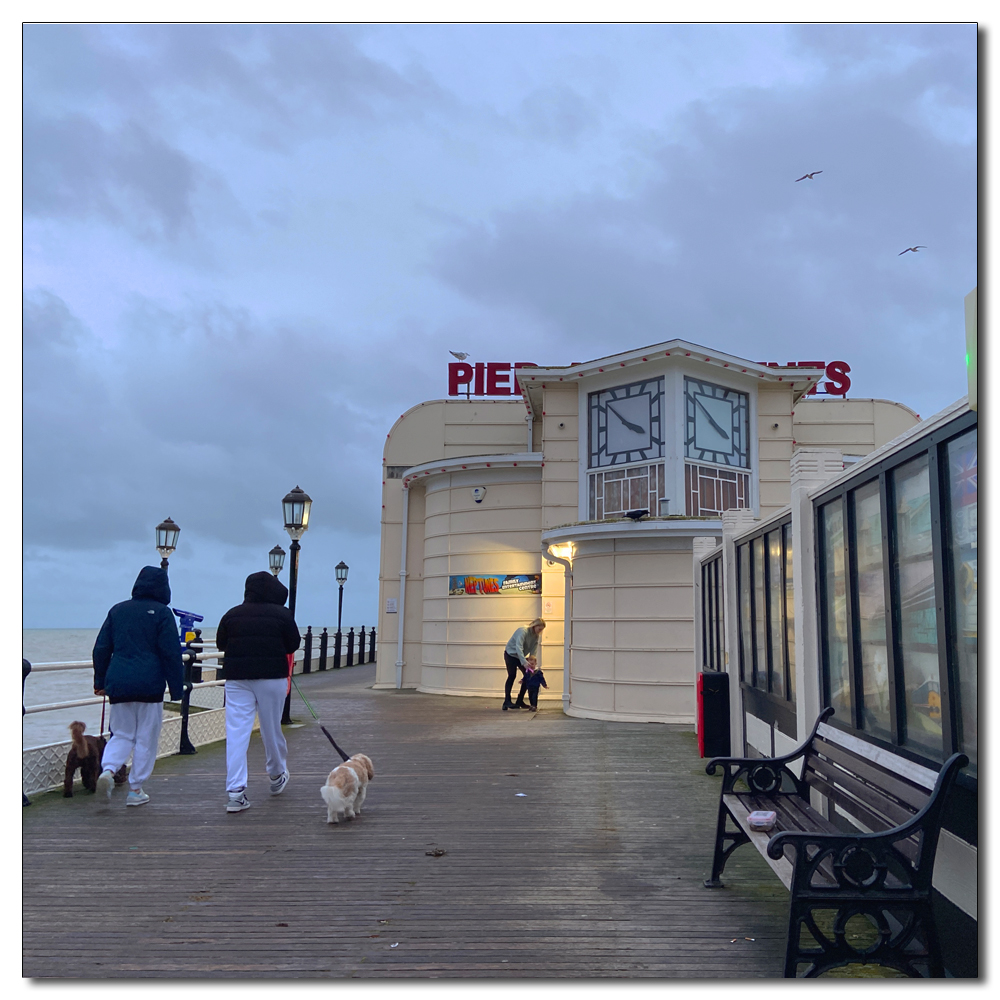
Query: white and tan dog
346, 787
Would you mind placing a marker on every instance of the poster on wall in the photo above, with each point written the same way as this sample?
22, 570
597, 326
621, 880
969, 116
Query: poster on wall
518, 584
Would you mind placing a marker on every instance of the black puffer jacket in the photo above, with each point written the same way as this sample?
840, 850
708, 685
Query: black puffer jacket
138, 652
258, 634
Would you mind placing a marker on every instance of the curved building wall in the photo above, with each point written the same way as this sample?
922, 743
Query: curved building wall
464, 635
633, 630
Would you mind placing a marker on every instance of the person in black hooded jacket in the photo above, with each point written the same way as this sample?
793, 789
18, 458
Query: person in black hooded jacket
257, 637
137, 656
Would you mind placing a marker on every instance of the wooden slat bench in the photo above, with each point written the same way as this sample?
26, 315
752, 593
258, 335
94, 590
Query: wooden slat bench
881, 875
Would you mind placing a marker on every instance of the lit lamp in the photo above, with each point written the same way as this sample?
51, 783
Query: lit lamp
166, 540
341, 570
276, 559
296, 506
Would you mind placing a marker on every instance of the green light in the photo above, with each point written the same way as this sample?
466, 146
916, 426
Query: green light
966, 359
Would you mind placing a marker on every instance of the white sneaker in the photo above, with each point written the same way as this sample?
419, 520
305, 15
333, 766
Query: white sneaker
105, 785
137, 797
279, 784
238, 801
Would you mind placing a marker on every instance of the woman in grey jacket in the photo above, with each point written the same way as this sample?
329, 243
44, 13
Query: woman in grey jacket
520, 650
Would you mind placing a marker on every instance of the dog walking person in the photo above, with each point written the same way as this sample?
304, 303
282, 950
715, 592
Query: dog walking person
518, 654
137, 656
256, 637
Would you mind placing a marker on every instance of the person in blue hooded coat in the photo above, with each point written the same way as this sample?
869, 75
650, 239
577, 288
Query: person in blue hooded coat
137, 656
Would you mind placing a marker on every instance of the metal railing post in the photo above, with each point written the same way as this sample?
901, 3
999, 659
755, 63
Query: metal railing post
350, 647
307, 651
323, 640
189, 655
361, 646
371, 645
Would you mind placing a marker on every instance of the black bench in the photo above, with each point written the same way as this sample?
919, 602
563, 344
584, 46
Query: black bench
881, 876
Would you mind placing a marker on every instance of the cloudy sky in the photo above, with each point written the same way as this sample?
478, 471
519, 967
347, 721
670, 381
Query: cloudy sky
248, 249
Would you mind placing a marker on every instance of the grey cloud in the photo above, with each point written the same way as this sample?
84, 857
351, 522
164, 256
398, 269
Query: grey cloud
75, 167
557, 114
205, 412
268, 84
723, 247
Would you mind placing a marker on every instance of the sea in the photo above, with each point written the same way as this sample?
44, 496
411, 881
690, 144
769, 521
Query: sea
61, 645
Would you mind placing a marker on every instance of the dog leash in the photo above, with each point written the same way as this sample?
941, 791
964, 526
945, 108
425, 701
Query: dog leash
316, 717
104, 702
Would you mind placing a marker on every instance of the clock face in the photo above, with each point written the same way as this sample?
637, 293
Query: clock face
716, 424
625, 424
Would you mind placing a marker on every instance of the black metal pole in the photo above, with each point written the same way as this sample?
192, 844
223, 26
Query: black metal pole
340, 606
164, 563
308, 647
186, 746
324, 639
293, 577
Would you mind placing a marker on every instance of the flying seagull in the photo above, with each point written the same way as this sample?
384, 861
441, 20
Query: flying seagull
909, 250
461, 355
808, 177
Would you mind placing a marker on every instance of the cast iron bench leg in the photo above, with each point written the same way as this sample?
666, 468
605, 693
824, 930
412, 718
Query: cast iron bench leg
722, 851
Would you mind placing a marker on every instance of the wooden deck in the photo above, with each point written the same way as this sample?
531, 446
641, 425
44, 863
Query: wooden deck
596, 872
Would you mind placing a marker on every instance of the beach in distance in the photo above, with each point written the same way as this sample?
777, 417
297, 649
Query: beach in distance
60, 645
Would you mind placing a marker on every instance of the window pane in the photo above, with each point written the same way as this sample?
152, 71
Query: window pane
760, 613
746, 634
917, 612
790, 610
776, 629
963, 479
871, 611
835, 595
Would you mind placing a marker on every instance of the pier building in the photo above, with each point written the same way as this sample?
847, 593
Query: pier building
509, 500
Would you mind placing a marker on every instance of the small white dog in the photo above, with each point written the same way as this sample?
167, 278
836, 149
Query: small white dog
346, 787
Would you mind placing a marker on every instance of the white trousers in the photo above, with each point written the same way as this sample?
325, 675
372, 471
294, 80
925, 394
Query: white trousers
136, 727
264, 699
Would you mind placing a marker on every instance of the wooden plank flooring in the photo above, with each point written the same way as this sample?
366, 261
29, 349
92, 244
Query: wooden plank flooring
596, 872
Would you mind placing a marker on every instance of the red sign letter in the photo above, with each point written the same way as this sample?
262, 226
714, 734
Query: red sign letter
459, 373
837, 371
497, 379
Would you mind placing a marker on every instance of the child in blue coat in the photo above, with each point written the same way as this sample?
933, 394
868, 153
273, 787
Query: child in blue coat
533, 679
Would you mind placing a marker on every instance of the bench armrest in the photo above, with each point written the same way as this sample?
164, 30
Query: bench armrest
861, 861
763, 773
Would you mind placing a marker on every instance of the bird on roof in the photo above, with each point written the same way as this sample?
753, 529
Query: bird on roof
808, 177
910, 250
461, 355
637, 515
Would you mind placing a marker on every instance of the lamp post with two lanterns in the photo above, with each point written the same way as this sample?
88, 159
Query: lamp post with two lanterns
296, 507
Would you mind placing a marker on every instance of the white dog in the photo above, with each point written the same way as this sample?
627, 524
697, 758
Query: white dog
346, 787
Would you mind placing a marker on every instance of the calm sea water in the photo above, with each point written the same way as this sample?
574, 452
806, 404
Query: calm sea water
59, 645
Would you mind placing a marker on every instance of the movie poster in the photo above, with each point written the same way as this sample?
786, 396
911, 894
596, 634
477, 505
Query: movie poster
517, 584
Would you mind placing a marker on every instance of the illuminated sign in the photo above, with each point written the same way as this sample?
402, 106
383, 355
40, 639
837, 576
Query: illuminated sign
836, 371
495, 584
491, 378
499, 378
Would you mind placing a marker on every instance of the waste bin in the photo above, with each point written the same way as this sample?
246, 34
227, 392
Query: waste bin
713, 714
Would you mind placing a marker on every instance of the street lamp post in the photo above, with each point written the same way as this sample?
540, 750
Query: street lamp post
166, 540
276, 559
296, 507
341, 570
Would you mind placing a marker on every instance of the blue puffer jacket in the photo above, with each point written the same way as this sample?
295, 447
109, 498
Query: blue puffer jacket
138, 651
